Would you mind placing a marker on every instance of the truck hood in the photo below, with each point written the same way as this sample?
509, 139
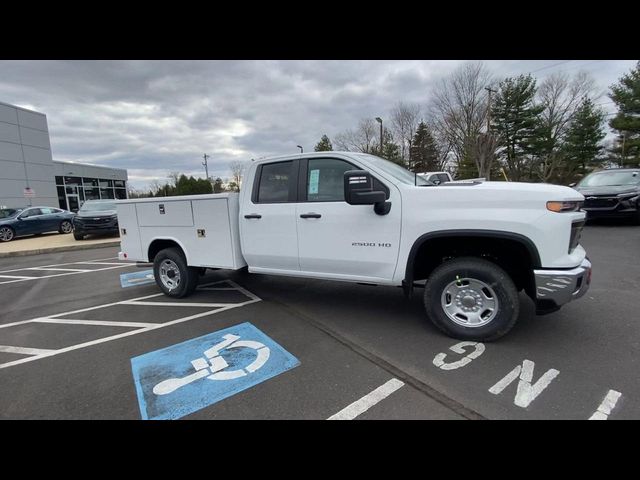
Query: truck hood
608, 190
99, 214
516, 190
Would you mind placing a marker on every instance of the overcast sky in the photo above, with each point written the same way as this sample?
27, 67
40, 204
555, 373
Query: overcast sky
154, 117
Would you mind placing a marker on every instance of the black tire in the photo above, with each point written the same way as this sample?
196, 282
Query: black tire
188, 275
78, 236
508, 303
65, 224
7, 234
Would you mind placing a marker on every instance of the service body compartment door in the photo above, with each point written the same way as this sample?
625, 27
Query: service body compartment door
129, 232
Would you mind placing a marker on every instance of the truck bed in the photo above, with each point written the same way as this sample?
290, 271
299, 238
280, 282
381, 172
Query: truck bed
204, 226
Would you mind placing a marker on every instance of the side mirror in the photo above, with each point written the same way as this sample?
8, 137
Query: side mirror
358, 190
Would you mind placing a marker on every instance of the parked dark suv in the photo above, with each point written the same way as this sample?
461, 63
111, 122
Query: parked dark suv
612, 193
95, 216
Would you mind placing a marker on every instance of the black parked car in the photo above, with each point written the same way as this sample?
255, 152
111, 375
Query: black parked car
612, 193
95, 216
17, 222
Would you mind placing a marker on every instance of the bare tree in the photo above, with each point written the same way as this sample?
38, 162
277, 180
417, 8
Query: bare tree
404, 123
561, 96
154, 186
459, 109
237, 168
173, 178
363, 139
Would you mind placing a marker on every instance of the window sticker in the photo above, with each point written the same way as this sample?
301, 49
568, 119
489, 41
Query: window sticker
314, 178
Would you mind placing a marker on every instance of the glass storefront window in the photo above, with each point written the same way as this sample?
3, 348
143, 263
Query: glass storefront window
92, 193
72, 181
106, 193
106, 183
121, 193
59, 181
71, 190
119, 184
62, 198
91, 182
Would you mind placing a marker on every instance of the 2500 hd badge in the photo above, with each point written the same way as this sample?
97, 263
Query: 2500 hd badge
370, 244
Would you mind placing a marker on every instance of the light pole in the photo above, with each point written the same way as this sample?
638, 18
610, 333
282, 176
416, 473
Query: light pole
206, 167
379, 120
301, 149
489, 91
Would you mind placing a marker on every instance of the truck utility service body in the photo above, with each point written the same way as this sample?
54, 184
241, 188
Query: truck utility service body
356, 217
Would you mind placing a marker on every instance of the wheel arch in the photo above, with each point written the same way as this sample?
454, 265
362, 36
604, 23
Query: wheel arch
161, 243
422, 243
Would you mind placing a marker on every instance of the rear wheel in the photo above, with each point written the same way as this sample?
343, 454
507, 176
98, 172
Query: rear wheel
65, 227
6, 234
472, 299
78, 236
174, 277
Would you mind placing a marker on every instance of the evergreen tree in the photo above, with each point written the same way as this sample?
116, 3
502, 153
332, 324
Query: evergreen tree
324, 145
514, 120
218, 187
424, 153
390, 149
626, 95
582, 145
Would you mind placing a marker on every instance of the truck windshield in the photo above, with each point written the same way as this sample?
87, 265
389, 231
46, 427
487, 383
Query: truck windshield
611, 179
98, 207
396, 171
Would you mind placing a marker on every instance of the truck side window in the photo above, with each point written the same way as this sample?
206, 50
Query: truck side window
274, 183
325, 180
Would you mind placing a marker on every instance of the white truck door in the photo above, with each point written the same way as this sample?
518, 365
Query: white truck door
268, 218
339, 240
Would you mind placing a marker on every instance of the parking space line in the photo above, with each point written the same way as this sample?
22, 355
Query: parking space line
176, 304
104, 263
252, 299
49, 269
15, 276
95, 322
61, 264
24, 350
74, 272
369, 400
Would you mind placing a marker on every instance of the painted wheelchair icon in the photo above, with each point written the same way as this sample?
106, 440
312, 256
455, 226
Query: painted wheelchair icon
212, 366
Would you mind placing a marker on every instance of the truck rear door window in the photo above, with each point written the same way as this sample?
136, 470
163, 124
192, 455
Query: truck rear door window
274, 183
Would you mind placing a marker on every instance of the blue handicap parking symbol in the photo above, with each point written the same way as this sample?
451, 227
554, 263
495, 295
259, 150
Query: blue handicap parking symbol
136, 278
183, 378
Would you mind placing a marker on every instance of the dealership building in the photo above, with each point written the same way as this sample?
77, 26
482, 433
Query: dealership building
30, 176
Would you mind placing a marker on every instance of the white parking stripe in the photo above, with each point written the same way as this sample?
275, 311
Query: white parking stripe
61, 264
369, 400
76, 272
50, 353
95, 322
49, 269
25, 351
176, 304
15, 276
104, 263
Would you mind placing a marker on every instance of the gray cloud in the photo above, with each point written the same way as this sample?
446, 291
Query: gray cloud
153, 117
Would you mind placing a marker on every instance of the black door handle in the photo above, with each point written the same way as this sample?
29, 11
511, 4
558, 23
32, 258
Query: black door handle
310, 215
253, 215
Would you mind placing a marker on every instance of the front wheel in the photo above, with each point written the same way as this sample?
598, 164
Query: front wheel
66, 227
6, 234
174, 277
471, 298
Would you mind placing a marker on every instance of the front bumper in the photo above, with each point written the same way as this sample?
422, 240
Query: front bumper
554, 288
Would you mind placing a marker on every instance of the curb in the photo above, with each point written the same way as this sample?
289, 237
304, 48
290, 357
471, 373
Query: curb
66, 248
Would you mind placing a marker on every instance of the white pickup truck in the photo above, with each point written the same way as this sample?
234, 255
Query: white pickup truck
358, 218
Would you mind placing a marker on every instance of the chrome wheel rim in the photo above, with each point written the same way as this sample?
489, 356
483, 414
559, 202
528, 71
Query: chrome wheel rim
169, 274
469, 302
66, 227
6, 234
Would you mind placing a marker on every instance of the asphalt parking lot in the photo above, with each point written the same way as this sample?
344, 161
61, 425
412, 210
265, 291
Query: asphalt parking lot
74, 342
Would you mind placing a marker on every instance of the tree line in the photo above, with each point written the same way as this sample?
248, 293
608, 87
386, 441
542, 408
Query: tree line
515, 128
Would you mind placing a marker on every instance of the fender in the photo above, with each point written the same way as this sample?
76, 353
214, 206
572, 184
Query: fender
527, 242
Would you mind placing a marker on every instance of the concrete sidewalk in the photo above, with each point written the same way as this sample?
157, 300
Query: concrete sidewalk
53, 242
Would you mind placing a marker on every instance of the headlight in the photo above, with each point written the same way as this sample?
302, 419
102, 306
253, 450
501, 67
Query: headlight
626, 196
572, 206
